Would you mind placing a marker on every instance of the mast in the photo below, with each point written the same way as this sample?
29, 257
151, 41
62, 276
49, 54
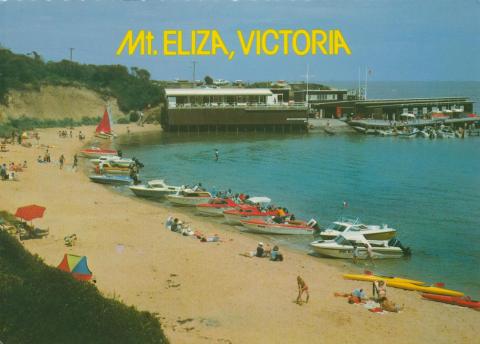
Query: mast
366, 81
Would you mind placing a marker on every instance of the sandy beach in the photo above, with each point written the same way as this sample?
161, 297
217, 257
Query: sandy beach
206, 292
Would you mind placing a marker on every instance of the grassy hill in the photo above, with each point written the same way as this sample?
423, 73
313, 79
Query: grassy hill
41, 304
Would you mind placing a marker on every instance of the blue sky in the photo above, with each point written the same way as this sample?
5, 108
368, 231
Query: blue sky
396, 39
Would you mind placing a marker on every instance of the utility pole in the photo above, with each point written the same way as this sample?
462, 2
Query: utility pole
71, 53
194, 63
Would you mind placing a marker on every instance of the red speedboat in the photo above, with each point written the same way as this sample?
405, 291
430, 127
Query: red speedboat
463, 301
216, 206
95, 152
270, 227
235, 216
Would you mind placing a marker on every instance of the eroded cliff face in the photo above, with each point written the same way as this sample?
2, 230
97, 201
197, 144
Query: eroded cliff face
57, 102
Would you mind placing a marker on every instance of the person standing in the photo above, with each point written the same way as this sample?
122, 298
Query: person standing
61, 161
355, 253
217, 154
302, 288
75, 162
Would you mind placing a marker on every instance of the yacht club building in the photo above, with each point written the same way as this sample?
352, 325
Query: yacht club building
230, 109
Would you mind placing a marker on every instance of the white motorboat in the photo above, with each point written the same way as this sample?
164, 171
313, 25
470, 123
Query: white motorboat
268, 226
154, 189
189, 197
114, 160
343, 245
370, 232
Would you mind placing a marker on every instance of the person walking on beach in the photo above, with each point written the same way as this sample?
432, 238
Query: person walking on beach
302, 288
61, 161
355, 253
75, 162
370, 253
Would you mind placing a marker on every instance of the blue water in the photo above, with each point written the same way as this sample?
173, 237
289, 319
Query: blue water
429, 190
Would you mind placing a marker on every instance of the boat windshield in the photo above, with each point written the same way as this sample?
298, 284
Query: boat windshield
337, 227
341, 240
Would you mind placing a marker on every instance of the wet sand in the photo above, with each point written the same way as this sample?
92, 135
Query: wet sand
206, 292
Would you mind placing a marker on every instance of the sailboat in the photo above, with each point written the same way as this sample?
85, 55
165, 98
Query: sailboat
104, 128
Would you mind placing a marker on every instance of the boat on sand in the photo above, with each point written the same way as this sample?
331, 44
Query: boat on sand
95, 152
343, 245
111, 179
189, 197
154, 189
268, 226
216, 206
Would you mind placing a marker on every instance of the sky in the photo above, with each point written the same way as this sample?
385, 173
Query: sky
395, 39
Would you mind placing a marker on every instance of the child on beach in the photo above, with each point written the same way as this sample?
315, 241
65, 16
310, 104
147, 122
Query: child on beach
302, 288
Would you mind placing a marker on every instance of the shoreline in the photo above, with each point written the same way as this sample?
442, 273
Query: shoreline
229, 298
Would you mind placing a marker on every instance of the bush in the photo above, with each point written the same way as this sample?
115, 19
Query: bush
133, 89
134, 116
123, 120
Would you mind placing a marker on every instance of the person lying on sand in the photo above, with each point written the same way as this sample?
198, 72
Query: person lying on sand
390, 306
356, 296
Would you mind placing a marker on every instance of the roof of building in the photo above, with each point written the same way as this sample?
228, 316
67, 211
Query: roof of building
218, 92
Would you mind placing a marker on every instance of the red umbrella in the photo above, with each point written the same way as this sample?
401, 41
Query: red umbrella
30, 212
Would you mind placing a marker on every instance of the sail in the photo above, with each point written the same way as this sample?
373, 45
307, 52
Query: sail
104, 125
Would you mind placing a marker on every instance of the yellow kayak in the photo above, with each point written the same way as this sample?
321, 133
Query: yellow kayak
387, 279
406, 284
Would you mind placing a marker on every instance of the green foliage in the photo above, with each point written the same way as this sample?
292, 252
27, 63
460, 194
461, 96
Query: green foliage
28, 123
134, 116
134, 91
41, 304
208, 80
123, 120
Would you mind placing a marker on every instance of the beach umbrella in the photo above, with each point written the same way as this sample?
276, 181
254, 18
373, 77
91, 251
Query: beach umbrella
30, 212
77, 266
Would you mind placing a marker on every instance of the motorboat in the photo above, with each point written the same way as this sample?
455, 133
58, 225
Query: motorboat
154, 189
109, 168
95, 152
387, 132
370, 232
114, 160
409, 134
269, 226
111, 179
235, 216
216, 206
445, 133
189, 197
425, 133
343, 245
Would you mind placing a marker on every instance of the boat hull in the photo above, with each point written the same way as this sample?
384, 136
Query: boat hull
347, 253
212, 211
266, 228
150, 193
111, 181
459, 301
187, 201
235, 219
372, 278
92, 153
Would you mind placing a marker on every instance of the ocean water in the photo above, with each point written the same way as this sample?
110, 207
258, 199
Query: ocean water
429, 190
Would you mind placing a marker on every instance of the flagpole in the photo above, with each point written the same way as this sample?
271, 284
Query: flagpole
366, 82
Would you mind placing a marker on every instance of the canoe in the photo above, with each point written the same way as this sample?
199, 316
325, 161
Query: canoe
404, 284
459, 301
372, 278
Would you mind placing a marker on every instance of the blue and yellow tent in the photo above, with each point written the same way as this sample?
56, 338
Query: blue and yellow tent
77, 266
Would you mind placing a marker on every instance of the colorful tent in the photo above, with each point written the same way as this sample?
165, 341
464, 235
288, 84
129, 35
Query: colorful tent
77, 266
30, 212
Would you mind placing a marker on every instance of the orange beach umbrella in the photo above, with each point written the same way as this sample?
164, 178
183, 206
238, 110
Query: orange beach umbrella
30, 212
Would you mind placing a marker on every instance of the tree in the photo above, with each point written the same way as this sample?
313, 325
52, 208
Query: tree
208, 80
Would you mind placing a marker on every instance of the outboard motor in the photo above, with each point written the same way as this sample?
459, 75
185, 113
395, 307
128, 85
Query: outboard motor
396, 243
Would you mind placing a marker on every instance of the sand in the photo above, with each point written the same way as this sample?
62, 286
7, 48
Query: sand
207, 292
